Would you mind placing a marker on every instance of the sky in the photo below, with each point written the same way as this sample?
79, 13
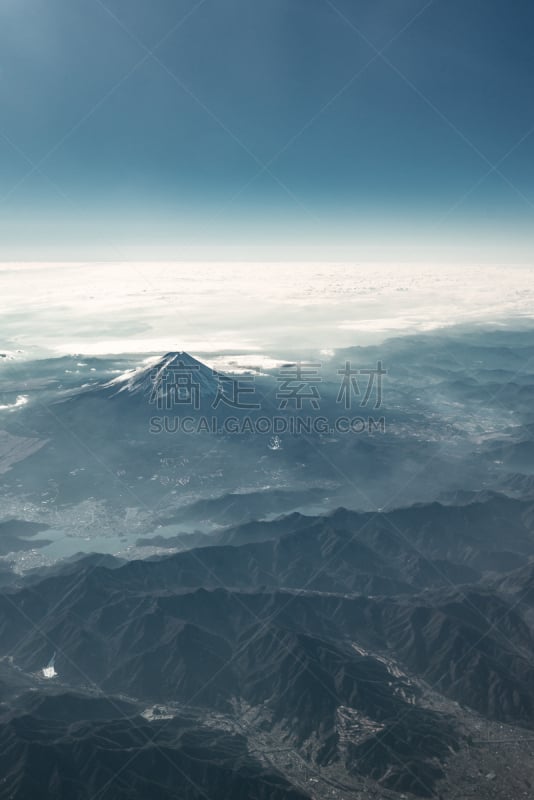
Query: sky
281, 130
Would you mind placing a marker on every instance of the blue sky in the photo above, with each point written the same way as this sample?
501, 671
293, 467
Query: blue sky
287, 129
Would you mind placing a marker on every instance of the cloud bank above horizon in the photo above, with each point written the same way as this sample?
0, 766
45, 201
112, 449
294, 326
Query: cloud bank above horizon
94, 309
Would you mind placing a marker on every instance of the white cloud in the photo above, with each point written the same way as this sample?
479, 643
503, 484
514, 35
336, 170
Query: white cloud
155, 307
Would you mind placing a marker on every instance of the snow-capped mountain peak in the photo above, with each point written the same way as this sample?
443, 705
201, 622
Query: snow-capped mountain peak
178, 376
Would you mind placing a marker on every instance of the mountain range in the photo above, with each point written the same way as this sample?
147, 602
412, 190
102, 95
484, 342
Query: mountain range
215, 616
358, 652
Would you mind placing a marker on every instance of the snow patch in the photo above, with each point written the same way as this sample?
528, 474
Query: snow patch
21, 400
